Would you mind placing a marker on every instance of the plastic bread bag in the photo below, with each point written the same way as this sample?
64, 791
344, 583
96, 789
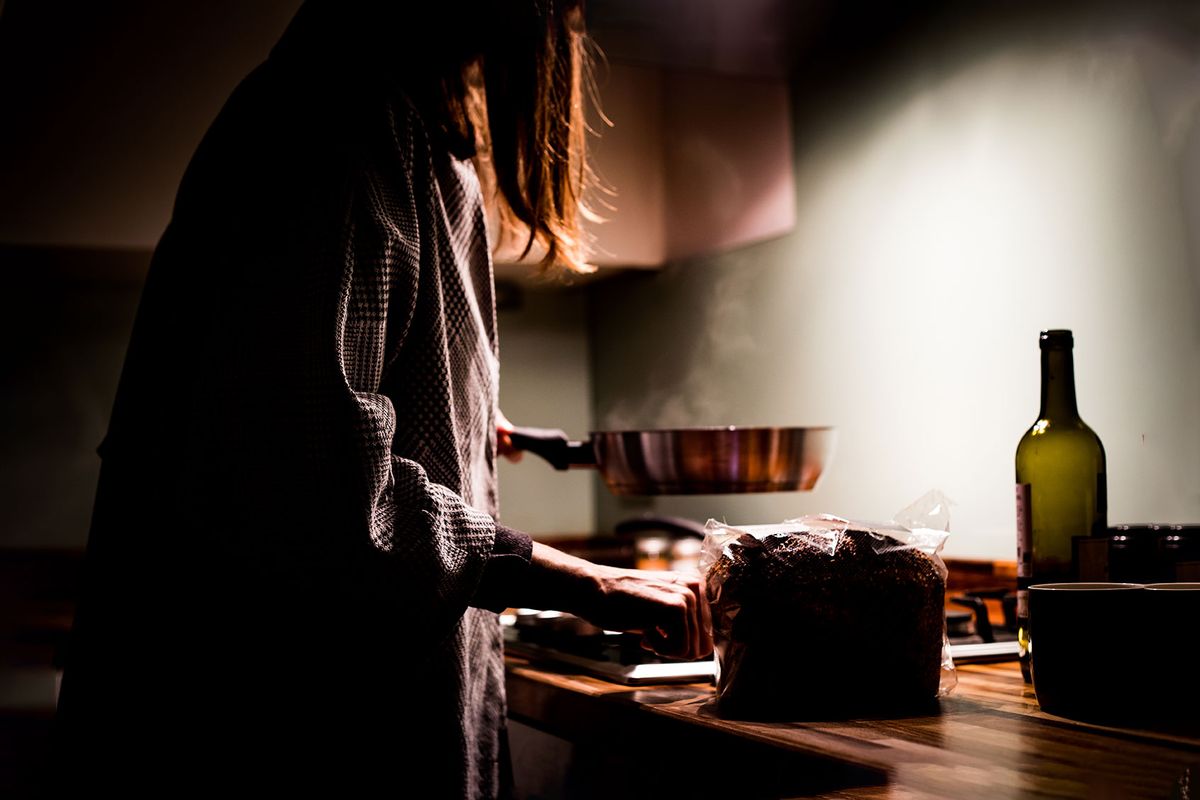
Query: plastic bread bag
823, 617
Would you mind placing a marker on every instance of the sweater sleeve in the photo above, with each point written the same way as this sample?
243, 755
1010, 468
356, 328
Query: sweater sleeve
507, 567
447, 552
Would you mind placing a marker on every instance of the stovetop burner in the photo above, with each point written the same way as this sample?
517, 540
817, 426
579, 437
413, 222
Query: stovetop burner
973, 636
616, 656
613, 655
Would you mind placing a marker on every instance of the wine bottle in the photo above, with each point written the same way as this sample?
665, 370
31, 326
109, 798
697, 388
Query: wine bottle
1061, 483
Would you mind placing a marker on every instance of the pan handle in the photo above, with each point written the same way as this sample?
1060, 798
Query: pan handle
554, 446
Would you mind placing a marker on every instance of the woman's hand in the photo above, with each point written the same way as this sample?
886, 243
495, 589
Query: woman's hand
669, 609
504, 445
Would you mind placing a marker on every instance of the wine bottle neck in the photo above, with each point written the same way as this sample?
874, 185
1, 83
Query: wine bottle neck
1058, 384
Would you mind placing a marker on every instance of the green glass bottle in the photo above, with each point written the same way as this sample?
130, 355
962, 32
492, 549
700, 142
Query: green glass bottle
1061, 483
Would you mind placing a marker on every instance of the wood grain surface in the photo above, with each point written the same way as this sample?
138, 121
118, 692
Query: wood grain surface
988, 739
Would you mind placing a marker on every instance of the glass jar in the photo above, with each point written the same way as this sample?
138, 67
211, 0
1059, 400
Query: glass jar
652, 552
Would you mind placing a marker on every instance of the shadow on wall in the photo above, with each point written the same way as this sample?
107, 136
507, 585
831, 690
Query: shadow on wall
65, 319
111, 100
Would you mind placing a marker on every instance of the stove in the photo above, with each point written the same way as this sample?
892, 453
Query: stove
972, 634
555, 637
551, 636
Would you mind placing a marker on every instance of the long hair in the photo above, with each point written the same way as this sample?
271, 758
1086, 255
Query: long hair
522, 103
502, 81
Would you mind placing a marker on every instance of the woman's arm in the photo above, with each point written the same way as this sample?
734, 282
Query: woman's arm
669, 608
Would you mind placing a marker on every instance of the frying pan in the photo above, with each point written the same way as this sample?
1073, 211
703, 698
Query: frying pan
728, 460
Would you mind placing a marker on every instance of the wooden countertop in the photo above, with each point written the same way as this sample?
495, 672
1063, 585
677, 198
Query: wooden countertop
988, 739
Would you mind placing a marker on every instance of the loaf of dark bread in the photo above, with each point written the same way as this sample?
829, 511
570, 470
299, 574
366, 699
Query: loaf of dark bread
802, 633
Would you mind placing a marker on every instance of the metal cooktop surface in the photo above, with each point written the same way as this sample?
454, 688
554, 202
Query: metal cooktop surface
549, 636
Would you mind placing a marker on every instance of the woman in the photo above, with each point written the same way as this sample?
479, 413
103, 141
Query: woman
294, 564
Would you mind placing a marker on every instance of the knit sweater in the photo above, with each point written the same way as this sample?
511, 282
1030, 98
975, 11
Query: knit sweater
297, 501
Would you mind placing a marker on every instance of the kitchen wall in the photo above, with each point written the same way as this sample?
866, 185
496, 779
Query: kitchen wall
962, 191
545, 383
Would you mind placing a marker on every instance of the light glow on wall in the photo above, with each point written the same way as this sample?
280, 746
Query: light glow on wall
944, 219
